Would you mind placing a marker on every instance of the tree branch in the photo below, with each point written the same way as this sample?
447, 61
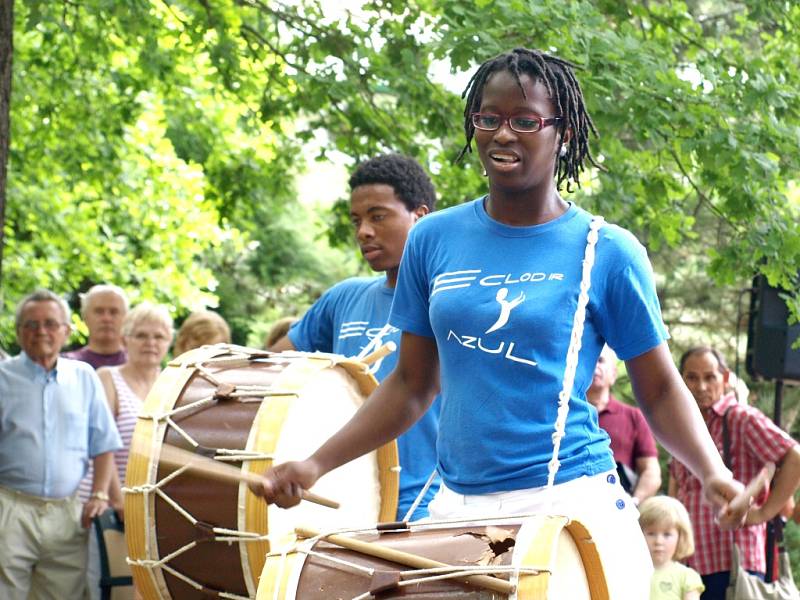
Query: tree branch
700, 194
6, 56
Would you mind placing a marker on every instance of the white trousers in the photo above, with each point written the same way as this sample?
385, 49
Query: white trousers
42, 548
599, 502
93, 570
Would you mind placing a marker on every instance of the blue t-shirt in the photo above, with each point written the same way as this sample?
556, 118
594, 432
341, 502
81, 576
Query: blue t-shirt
500, 302
345, 319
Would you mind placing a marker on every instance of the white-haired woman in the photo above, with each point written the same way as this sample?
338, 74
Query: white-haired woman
146, 333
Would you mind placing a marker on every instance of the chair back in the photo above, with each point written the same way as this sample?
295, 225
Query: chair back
116, 582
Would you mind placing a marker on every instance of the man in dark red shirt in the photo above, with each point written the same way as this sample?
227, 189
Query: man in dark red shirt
103, 308
632, 442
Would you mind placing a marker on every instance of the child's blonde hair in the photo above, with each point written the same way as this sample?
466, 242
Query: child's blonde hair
669, 512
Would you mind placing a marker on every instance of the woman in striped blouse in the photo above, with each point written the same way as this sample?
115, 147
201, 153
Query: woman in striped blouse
147, 333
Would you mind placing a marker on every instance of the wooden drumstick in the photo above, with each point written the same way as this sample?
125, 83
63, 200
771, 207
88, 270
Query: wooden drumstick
384, 350
178, 457
405, 558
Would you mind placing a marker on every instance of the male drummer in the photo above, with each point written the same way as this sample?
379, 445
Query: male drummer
388, 194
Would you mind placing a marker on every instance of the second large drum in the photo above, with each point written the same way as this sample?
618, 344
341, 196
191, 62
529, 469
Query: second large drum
533, 557
191, 537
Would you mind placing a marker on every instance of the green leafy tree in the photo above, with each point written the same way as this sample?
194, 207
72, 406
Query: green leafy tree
139, 158
696, 102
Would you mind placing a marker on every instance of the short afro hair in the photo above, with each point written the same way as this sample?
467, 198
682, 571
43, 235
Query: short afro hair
406, 176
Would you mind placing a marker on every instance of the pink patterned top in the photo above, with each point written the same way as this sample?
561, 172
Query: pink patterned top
128, 407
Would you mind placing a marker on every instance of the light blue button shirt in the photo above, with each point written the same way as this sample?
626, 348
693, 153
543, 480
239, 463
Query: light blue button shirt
52, 423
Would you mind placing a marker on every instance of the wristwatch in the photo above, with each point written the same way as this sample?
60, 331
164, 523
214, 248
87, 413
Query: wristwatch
100, 495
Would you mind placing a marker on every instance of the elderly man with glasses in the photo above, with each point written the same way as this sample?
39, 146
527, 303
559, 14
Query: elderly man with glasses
53, 420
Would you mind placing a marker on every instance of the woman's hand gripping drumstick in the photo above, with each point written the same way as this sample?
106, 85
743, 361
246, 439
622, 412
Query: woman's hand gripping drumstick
735, 513
178, 457
286, 483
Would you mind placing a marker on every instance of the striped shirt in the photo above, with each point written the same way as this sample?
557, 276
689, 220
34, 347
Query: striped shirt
128, 407
754, 441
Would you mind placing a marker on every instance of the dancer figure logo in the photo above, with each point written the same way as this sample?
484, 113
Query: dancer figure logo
506, 306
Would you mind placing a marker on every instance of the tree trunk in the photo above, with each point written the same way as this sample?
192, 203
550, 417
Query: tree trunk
6, 54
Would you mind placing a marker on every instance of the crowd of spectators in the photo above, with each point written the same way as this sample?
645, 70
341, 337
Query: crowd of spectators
66, 424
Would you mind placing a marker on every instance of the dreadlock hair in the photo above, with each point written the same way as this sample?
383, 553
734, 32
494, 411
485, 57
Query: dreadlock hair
558, 77
409, 180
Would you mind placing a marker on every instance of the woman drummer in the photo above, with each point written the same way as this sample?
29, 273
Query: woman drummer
493, 298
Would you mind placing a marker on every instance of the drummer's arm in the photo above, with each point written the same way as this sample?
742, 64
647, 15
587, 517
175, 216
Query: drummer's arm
398, 402
676, 421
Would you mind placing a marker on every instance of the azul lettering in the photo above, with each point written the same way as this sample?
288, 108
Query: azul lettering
476, 343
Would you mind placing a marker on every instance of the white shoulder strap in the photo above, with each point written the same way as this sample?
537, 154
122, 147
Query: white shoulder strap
574, 347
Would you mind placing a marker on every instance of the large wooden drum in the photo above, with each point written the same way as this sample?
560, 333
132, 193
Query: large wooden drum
539, 557
191, 537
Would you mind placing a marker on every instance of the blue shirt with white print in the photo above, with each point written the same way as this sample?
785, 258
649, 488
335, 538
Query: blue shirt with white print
500, 302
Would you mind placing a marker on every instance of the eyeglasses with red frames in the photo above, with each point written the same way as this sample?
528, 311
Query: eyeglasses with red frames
518, 123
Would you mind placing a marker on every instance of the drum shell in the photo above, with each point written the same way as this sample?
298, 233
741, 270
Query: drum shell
561, 548
156, 528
